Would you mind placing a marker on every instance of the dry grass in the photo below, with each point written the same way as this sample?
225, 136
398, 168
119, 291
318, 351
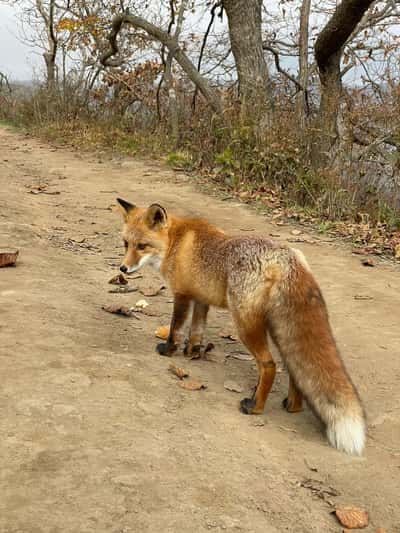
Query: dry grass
272, 169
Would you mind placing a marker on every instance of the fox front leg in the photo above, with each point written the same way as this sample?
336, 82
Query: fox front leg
179, 316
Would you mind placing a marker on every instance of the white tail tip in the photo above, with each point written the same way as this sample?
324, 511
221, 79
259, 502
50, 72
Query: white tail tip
347, 434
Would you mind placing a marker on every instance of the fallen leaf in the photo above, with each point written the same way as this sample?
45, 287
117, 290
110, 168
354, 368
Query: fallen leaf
141, 304
310, 467
42, 190
360, 251
362, 297
352, 517
232, 386
275, 235
301, 239
178, 371
119, 310
124, 289
240, 356
192, 385
162, 332
152, 291
227, 335
380, 530
8, 258
368, 263
317, 487
296, 232
119, 279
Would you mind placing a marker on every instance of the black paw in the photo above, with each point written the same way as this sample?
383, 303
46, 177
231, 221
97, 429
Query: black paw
166, 348
247, 405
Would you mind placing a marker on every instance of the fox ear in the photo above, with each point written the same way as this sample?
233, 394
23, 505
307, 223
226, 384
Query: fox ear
156, 216
125, 206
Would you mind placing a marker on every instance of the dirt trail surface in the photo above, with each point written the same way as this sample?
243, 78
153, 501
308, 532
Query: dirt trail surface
98, 436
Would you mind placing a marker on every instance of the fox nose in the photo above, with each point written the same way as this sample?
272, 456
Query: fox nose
123, 269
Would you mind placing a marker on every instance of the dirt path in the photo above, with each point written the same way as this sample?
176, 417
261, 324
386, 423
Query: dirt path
96, 434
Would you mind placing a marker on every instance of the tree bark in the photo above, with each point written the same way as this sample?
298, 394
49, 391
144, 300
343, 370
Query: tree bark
173, 46
173, 110
328, 52
50, 55
302, 99
244, 21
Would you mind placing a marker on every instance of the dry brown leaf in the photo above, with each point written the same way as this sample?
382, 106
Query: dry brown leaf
118, 309
123, 289
240, 356
42, 189
152, 291
232, 386
162, 332
352, 517
381, 530
368, 263
227, 335
119, 279
178, 371
301, 239
8, 258
362, 297
360, 251
296, 232
192, 385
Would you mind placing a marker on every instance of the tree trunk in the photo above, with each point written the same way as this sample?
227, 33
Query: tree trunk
50, 55
328, 52
302, 100
173, 110
49, 59
244, 20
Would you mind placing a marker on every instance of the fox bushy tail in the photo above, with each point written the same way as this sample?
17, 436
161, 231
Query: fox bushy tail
300, 328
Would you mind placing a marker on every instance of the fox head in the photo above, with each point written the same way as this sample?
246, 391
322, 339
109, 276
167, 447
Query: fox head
145, 236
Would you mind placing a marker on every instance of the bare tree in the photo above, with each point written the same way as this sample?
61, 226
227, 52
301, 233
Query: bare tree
39, 21
328, 53
50, 54
302, 101
244, 20
173, 115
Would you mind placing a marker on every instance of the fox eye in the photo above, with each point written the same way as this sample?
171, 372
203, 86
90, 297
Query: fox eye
126, 244
141, 246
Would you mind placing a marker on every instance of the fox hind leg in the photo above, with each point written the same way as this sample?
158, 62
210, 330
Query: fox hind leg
252, 333
294, 401
194, 346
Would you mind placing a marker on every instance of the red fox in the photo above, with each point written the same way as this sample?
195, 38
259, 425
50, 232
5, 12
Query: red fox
268, 288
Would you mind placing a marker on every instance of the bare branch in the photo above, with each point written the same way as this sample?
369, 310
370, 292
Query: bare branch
278, 67
203, 45
173, 46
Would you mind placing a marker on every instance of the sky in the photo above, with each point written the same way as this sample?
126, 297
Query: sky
17, 60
